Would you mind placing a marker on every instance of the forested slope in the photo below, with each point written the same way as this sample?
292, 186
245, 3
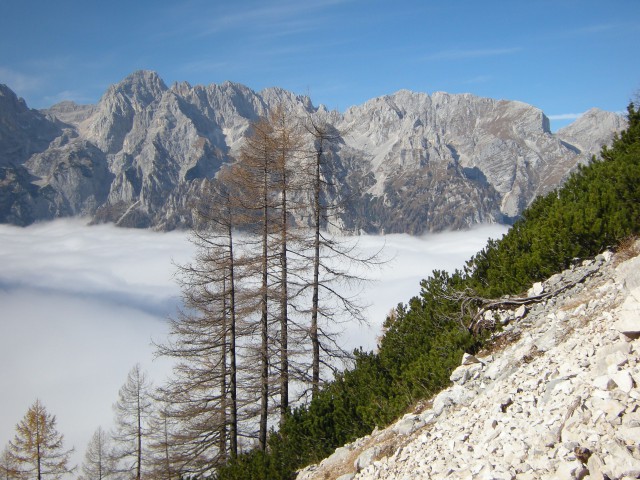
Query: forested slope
425, 338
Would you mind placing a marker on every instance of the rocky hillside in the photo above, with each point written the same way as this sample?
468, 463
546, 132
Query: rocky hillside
558, 398
408, 162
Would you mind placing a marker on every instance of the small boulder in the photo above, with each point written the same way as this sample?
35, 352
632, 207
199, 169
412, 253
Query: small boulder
605, 256
620, 462
346, 476
595, 467
469, 359
623, 380
604, 382
571, 470
408, 424
630, 436
460, 375
617, 358
520, 312
366, 458
537, 288
629, 319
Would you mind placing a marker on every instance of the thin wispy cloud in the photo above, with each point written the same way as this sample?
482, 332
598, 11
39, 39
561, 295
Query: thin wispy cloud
281, 18
73, 95
51, 69
200, 19
326, 47
597, 29
20, 82
591, 29
54, 63
206, 66
262, 32
461, 54
478, 79
565, 116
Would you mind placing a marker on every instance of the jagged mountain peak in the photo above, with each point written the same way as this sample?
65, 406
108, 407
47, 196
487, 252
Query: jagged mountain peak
69, 112
274, 96
23, 131
232, 88
142, 86
592, 117
180, 87
8, 99
409, 161
439, 107
593, 129
114, 115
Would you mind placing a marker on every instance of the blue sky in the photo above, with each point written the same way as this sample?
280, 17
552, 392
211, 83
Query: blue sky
563, 56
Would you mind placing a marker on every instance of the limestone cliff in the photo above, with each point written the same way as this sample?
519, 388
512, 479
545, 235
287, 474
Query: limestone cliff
407, 162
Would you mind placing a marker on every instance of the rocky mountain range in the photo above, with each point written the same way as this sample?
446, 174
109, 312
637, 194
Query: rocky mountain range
407, 162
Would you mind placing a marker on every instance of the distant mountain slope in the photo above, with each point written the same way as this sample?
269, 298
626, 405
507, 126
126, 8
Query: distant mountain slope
593, 124
409, 162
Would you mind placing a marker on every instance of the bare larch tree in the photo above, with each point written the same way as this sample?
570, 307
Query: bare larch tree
133, 412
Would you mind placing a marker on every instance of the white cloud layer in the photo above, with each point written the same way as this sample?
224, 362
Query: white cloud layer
80, 306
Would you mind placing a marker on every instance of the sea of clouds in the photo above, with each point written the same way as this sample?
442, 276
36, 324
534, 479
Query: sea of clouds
81, 305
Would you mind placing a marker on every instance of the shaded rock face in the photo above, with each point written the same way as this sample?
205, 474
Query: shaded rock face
23, 133
562, 400
407, 162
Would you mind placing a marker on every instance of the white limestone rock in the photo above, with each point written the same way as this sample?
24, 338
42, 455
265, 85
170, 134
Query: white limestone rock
520, 312
408, 424
595, 467
628, 273
619, 462
469, 360
617, 358
604, 382
629, 436
366, 458
623, 380
460, 375
629, 318
571, 470
537, 289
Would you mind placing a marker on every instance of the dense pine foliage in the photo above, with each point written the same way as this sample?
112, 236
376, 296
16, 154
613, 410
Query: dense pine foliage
596, 208
424, 339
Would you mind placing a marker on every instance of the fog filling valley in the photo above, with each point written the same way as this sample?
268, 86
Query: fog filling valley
80, 306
